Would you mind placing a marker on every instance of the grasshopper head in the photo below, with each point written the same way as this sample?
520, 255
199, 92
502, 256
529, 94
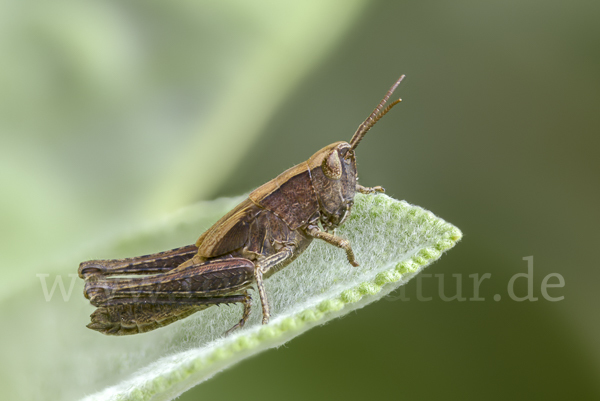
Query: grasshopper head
333, 173
333, 169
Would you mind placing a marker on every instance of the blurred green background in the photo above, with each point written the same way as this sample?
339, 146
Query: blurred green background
113, 114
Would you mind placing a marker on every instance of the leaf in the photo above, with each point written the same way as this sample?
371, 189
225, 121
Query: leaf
135, 103
392, 241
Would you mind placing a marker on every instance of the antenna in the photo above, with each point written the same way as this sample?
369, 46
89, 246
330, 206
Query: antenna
375, 115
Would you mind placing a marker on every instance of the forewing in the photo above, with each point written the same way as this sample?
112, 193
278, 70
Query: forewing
231, 232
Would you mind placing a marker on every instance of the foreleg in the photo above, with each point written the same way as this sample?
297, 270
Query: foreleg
369, 190
315, 232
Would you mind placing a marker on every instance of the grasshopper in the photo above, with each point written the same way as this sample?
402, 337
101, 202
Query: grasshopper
259, 237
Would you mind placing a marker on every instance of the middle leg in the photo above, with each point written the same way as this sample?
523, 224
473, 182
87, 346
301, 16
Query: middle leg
263, 267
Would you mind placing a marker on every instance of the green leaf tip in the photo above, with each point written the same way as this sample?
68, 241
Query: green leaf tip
392, 240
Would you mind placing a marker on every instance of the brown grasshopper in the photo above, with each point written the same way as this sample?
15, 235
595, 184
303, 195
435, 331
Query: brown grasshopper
259, 237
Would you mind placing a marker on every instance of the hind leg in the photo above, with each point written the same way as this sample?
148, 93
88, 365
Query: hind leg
247, 306
130, 316
150, 302
148, 264
218, 277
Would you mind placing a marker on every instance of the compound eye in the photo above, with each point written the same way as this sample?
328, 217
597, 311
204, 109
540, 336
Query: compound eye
332, 167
